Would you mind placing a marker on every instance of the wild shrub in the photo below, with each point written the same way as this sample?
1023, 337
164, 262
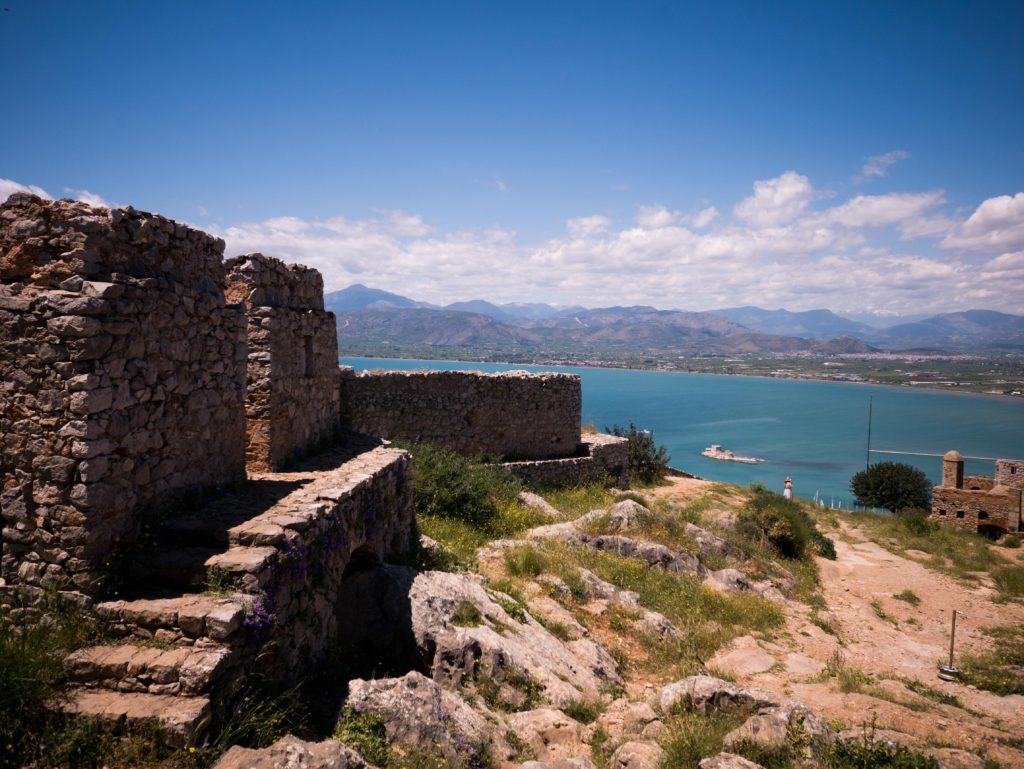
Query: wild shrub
1011, 541
770, 518
648, 463
449, 485
916, 522
892, 485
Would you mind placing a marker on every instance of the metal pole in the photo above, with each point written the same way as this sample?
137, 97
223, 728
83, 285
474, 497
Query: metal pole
952, 639
867, 459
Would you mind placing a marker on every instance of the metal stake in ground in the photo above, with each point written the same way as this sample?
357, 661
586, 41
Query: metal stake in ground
949, 672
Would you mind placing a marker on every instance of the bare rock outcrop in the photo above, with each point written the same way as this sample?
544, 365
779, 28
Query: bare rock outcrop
293, 753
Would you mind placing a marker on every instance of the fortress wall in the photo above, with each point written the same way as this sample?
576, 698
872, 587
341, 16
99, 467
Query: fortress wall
1010, 473
122, 371
967, 509
515, 415
292, 401
606, 460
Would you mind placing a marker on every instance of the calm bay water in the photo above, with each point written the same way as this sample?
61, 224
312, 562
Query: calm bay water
815, 432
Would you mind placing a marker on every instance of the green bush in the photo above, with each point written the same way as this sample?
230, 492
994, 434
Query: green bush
1011, 541
783, 524
917, 522
647, 463
449, 485
892, 485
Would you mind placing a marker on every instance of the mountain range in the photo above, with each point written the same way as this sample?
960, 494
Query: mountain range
370, 319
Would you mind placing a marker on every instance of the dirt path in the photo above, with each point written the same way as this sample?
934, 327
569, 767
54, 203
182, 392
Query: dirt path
909, 644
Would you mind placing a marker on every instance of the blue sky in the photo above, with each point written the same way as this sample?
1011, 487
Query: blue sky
863, 155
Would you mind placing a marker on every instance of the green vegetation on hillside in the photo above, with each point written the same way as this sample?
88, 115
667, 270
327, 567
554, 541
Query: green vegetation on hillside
893, 485
648, 463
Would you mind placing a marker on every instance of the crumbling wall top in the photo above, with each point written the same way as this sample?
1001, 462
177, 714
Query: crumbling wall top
59, 244
256, 280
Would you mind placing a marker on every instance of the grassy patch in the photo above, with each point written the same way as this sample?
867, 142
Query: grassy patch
577, 500
1011, 541
467, 615
1009, 580
849, 678
871, 753
909, 596
584, 711
931, 693
526, 561
365, 733
690, 736
1000, 670
769, 519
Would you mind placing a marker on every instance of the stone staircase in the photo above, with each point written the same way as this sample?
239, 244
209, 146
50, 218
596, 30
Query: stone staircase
182, 643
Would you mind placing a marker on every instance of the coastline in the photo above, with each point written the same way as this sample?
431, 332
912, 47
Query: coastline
923, 387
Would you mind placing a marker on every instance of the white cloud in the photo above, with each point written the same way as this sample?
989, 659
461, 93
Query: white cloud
656, 216
586, 226
8, 187
201, 210
997, 224
776, 201
704, 217
502, 187
89, 198
878, 165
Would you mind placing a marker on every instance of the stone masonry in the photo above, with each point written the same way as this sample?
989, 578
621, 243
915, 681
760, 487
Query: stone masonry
606, 459
988, 504
514, 415
122, 373
292, 396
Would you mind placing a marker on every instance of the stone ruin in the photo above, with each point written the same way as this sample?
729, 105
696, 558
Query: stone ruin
141, 376
293, 399
987, 504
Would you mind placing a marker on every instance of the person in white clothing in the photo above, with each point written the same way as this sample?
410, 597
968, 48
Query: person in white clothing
787, 490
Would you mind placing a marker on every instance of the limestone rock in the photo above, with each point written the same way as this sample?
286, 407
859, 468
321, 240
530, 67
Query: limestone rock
576, 762
624, 717
640, 754
540, 504
728, 761
420, 714
622, 516
550, 733
292, 753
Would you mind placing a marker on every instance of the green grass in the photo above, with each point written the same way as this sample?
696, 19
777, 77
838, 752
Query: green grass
1000, 670
849, 678
577, 500
690, 736
908, 596
584, 711
882, 614
526, 561
467, 615
1009, 580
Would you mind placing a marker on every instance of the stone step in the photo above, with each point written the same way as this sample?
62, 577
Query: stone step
178, 567
186, 670
179, 620
181, 720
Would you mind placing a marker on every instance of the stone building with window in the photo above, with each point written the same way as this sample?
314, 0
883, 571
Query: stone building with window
986, 504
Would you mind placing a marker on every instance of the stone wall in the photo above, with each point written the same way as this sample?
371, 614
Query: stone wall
516, 415
292, 400
970, 510
606, 459
122, 373
1010, 473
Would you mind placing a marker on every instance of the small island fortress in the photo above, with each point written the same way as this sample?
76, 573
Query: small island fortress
715, 451
152, 393
986, 504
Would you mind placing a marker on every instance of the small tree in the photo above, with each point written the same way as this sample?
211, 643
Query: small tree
647, 463
892, 485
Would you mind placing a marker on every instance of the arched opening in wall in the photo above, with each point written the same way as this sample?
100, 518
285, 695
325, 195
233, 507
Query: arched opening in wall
991, 531
374, 614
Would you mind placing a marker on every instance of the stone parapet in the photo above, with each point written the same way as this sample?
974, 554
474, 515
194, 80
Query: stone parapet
516, 415
606, 459
256, 280
122, 373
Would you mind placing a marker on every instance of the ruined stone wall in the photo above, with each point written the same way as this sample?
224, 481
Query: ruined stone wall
122, 373
292, 400
1010, 473
515, 414
967, 509
606, 459
978, 482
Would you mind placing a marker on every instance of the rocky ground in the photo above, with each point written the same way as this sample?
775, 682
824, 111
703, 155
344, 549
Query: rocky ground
542, 655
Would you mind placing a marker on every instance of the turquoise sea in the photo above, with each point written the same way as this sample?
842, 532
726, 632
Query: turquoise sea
815, 432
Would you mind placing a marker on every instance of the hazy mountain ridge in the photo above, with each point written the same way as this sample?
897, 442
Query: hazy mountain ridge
393, 319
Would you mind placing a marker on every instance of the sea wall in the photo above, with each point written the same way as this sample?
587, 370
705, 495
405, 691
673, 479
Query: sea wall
122, 378
516, 415
292, 397
604, 458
